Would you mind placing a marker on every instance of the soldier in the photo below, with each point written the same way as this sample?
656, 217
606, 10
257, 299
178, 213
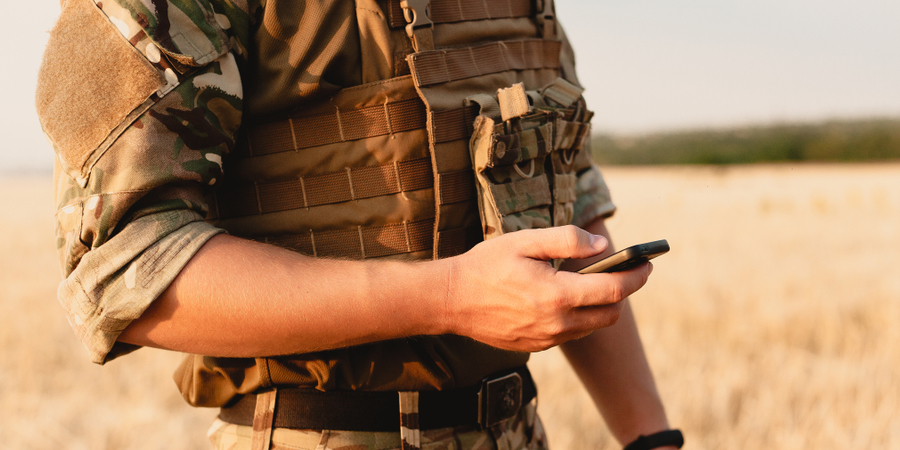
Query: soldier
348, 208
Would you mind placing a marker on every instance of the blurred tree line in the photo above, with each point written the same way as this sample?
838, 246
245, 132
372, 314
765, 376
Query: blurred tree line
833, 141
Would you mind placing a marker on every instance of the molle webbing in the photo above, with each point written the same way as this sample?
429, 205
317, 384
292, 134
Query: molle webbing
354, 183
453, 124
444, 66
456, 187
299, 132
329, 188
376, 241
360, 243
449, 11
336, 187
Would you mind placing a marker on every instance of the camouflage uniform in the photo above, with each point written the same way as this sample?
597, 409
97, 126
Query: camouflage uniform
142, 102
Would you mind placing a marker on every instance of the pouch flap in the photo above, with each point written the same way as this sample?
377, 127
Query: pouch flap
517, 147
513, 102
564, 186
521, 195
571, 134
487, 106
562, 92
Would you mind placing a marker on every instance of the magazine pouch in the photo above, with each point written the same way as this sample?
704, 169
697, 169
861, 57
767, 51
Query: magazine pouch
524, 148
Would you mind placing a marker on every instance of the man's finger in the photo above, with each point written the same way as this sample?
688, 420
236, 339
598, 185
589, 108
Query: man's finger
607, 288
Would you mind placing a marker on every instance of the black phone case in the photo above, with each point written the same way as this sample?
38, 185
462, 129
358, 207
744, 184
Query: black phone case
628, 258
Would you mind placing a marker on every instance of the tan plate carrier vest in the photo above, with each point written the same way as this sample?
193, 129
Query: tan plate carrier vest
385, 169
477, 140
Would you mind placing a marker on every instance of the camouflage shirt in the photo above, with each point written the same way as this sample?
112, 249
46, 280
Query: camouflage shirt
141, 101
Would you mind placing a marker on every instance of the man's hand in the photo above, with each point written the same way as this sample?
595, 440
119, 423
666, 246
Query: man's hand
504, 292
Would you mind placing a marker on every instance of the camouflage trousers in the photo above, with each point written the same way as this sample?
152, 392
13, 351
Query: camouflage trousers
523, 431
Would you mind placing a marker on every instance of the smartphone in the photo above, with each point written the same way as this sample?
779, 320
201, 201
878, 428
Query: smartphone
629, 258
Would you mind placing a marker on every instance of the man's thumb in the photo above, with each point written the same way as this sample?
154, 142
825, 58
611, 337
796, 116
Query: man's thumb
566, 242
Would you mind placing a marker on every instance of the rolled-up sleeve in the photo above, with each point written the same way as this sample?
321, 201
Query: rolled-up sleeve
592, 198
133, 170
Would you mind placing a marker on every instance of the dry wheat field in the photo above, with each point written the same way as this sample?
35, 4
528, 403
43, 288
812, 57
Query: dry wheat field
774, 322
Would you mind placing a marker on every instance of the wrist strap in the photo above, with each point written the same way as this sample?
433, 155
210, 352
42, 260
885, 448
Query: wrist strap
656, 440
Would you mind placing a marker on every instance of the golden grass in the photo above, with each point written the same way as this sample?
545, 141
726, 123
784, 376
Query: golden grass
772, 323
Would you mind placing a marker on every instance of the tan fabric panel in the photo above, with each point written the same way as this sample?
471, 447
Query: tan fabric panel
376, 43
91, 79
303, 51
205, 380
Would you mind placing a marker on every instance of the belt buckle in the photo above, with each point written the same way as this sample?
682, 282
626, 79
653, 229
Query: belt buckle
499, 399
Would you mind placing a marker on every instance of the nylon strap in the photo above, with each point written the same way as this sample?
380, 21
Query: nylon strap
410, 437
453, 124
457, 186
457, 241
443, 66
299, 132
263, 420
546, 19
449, 11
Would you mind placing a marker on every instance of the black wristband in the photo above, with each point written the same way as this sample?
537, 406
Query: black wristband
656, 440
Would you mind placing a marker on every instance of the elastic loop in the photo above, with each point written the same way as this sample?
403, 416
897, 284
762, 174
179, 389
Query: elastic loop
522, 174
568, 155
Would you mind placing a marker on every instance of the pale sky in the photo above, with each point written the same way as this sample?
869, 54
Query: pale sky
648, 65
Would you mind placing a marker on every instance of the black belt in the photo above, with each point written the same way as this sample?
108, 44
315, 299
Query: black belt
496, 398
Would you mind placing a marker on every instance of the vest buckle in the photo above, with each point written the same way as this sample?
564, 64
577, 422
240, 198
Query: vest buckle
546, 19
419, 24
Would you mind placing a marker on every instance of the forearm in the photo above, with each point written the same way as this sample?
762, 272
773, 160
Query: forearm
613, 368
612, 365
240, 298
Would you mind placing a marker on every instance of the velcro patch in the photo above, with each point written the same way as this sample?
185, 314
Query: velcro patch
90, 80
